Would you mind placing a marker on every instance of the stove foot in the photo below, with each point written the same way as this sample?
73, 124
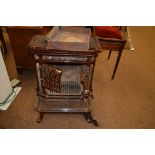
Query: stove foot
90, 118
40, 118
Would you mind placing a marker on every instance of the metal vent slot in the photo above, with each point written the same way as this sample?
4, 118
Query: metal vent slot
67, 88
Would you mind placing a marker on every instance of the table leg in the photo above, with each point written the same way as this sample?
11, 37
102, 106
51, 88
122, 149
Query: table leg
117, 62
109, 54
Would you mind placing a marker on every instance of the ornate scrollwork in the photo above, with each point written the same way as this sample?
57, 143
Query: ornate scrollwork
51, 77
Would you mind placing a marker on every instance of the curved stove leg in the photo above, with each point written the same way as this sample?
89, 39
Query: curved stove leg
90, 118
41, 116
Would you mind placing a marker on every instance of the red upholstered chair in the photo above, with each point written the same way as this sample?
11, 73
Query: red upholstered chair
112, 39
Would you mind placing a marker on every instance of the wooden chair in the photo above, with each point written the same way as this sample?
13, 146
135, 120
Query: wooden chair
112, 39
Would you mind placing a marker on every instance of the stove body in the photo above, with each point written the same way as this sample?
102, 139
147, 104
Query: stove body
64, 78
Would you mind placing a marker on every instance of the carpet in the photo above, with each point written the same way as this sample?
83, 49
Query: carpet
127, 102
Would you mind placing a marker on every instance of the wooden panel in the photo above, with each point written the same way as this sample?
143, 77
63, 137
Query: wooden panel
114, 47
19, 39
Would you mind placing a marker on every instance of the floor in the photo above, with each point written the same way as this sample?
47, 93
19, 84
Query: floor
128, 101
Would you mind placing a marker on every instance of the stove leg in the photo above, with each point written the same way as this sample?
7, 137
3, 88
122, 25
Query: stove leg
41, 116
90, 118
95, 122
